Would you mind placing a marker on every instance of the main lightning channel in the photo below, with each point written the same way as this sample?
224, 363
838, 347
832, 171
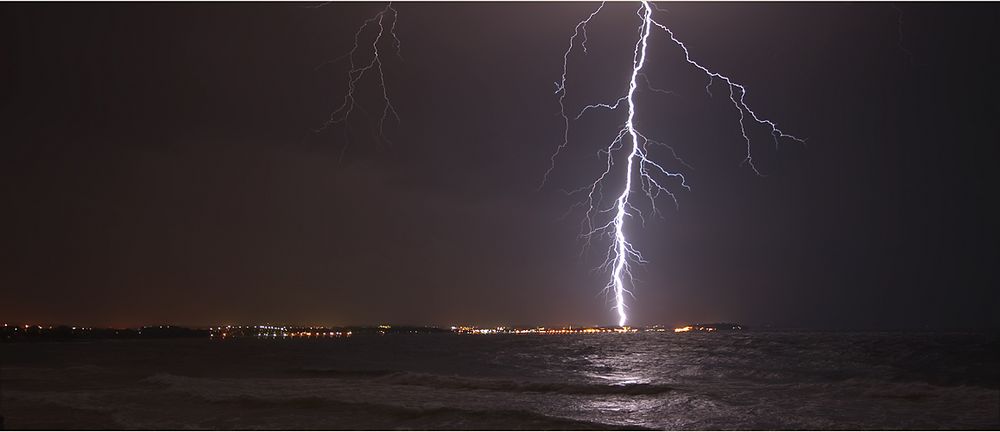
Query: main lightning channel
620, 241
651, 175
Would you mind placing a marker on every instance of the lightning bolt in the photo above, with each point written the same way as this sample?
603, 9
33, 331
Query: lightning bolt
653, 178
384, 22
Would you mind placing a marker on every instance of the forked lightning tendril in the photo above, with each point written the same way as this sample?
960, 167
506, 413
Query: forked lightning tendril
385, 21
652, 176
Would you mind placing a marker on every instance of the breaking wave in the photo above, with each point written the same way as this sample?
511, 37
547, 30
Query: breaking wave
439, 417
455, 382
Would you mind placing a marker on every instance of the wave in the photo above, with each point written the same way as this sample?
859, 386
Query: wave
338, 373
429, 418
326, 406
456, 382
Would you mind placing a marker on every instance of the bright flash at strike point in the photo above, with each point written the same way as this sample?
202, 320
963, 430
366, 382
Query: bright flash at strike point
640, 167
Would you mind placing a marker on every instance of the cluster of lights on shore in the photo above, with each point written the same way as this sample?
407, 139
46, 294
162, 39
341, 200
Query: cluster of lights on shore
269, 331
702, 328
581, 330
542, 330
17, 327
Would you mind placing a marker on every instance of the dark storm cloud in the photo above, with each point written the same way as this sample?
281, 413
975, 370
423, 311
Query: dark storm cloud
160, 166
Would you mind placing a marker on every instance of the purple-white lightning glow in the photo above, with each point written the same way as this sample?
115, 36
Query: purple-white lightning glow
639, 166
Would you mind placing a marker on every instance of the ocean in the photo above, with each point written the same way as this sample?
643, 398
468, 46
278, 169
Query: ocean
738, 380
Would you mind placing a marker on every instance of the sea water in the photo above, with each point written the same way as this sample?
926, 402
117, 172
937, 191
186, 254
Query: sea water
738, 380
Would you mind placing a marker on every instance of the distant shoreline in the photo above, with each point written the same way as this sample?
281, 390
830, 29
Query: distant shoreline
65, 333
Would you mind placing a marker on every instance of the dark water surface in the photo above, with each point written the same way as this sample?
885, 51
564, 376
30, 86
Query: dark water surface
748, 380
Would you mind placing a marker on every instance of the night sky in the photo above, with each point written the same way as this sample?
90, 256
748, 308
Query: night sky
160, 166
